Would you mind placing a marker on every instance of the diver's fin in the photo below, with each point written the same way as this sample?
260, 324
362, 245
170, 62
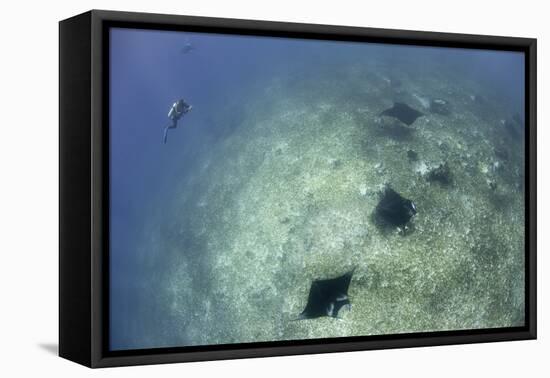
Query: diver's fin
165, 137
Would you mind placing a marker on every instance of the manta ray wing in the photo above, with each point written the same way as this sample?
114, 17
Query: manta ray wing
327, 297
403, 112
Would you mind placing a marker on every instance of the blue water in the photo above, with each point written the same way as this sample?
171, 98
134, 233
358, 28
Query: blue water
219, 78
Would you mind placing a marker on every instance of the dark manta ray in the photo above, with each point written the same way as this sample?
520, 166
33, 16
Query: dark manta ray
393, 209
327, 297
402, 112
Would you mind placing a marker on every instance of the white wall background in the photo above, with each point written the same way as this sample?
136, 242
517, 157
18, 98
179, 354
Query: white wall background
28, 186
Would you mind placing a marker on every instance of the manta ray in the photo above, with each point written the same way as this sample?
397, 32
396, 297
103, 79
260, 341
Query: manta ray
393, 209
327, 297
402, 112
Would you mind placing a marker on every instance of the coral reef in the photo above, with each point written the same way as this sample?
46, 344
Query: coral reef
285, 200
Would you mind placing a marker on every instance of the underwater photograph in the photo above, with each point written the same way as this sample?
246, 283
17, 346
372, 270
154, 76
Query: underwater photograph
275, 189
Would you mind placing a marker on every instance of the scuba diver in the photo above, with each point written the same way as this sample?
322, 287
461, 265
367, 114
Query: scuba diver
178, 109
187, 47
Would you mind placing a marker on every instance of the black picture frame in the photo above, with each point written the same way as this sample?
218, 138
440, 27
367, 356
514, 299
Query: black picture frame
84, 194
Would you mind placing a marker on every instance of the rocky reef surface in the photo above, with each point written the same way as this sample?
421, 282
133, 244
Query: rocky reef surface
289, 196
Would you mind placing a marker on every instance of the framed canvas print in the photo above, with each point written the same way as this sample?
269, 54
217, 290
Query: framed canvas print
234, 188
